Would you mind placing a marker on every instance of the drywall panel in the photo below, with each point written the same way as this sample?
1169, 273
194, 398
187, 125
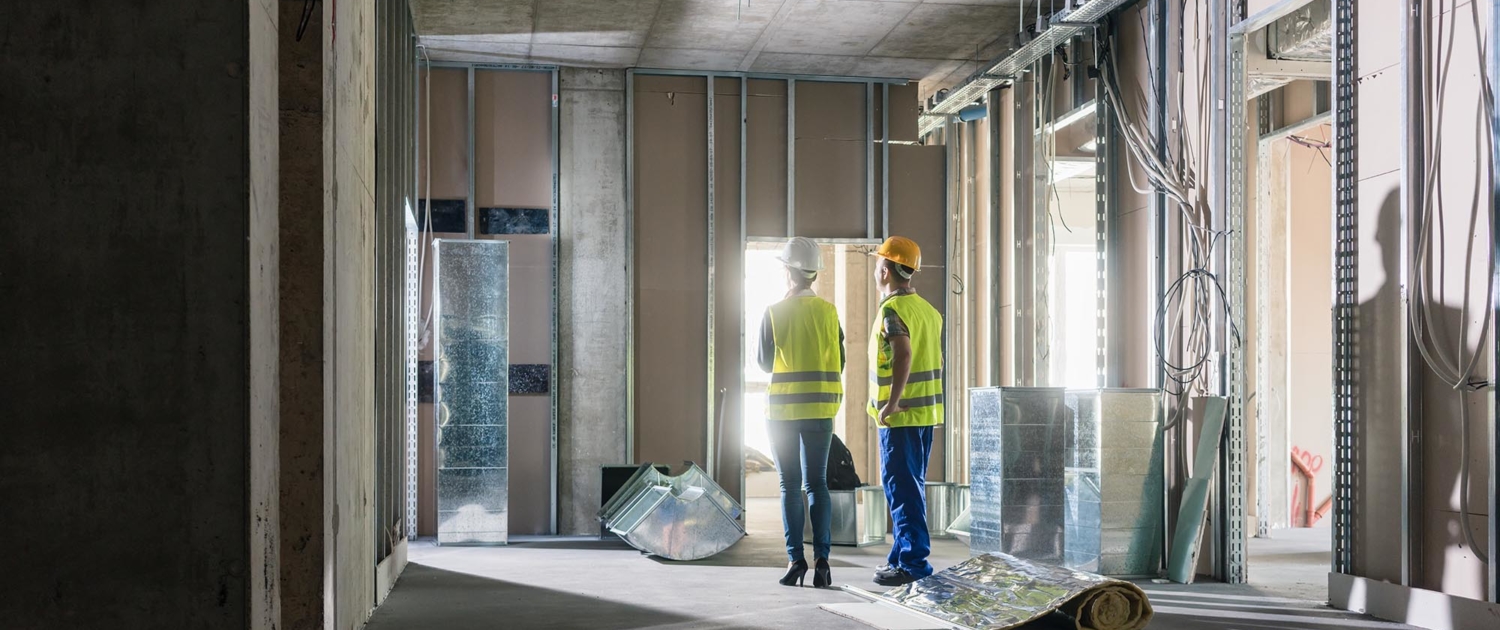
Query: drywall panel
729, 288
765, 177
444, 161
1377, 507
918, 211
1271, 329
593, 319
1135, 218
530, 353
983, 278
671, 283
1002, 204
1309, 303
512, 139
831, 188
905, 104
830, 111
1455, 320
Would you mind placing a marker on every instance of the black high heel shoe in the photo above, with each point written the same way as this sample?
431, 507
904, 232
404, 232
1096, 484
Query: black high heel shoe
795, 572
822, 575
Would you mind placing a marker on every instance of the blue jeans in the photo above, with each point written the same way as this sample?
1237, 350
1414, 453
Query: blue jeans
904, 452
805, 442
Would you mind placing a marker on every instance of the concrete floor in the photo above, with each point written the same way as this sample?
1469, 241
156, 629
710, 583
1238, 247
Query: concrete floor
574, 583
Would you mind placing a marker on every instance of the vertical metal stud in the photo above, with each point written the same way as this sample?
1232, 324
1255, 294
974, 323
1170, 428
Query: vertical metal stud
630, 454
1232, 165
470, 213
1103, 224
1493, 77
791, 158
869, 160
744, 151
1413, 174
885, 160
711, 418
556, 233
1346, 287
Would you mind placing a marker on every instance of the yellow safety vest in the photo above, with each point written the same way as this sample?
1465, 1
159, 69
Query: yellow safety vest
806, 380
923, 396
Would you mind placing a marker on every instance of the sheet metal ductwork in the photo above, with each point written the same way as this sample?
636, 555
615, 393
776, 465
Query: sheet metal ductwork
686, 517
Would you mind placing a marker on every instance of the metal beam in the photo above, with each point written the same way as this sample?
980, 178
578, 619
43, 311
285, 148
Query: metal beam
630, 454
470, 212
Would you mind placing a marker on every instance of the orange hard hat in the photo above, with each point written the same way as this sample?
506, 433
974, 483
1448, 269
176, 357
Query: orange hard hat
902, 251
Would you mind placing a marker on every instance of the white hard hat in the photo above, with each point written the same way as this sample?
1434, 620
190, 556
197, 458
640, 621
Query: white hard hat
801, 253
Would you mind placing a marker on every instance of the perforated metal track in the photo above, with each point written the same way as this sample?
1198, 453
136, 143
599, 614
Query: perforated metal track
1346, 281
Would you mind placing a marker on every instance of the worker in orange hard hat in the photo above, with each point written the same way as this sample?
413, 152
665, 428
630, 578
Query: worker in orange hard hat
906, 401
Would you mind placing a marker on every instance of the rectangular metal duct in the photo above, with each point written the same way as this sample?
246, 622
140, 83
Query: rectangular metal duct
471, 344
859, 517
1114, 482
1062, 26
1304, 35
1016, 472
686, 517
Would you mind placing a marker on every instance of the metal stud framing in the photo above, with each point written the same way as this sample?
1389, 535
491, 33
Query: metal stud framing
712, 272
1104, 229
1493, 77
1346, 282
1233, 525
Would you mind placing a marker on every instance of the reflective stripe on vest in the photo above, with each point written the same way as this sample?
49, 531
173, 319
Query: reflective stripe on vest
806, 379
923, 396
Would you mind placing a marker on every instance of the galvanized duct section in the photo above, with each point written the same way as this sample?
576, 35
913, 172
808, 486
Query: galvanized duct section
686, 517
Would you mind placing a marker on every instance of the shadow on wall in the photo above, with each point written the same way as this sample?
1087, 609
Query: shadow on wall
1377, 504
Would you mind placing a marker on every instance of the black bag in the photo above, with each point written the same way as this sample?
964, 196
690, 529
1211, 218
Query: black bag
841, 474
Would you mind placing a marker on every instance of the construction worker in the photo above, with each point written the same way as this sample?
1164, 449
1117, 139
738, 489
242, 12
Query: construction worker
906, 401
802, 346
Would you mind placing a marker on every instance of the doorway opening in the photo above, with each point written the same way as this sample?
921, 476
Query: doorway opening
1291, 370
847, 283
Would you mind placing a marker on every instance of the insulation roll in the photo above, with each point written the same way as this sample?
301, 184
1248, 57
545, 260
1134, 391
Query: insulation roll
997, 591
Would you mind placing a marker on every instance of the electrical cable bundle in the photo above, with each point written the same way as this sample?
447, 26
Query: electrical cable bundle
1449, 364
1187, 310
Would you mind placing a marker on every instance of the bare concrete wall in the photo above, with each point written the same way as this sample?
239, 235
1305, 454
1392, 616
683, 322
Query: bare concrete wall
349, 321
594, 320
301, 227
139, 269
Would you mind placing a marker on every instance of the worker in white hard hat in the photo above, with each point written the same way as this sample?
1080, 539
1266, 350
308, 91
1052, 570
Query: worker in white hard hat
802, 346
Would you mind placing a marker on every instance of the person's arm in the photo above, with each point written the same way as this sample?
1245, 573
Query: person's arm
843, 356
766, 354
900, 371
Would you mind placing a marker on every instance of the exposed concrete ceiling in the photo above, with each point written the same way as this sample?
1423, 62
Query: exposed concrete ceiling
936, 42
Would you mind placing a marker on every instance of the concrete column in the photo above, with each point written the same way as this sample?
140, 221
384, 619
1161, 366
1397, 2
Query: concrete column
593, 275
139, 264
302, 350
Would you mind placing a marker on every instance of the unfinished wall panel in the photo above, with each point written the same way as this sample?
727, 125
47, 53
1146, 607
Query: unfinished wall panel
1309, 299
512, 202
1134, 219
444, 132
671, 282
512, 139
765, 146
831, 169
918, 212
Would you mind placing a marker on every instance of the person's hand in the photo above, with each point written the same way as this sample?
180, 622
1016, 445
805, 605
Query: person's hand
891, 408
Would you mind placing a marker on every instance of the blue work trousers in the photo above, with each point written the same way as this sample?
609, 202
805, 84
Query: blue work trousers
803, 442
903, 470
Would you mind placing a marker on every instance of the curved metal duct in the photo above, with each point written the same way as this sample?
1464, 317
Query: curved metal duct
686, 517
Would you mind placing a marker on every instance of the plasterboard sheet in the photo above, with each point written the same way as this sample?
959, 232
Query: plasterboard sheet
729, 289
765, 176
444, 133
671, 301
512, 139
